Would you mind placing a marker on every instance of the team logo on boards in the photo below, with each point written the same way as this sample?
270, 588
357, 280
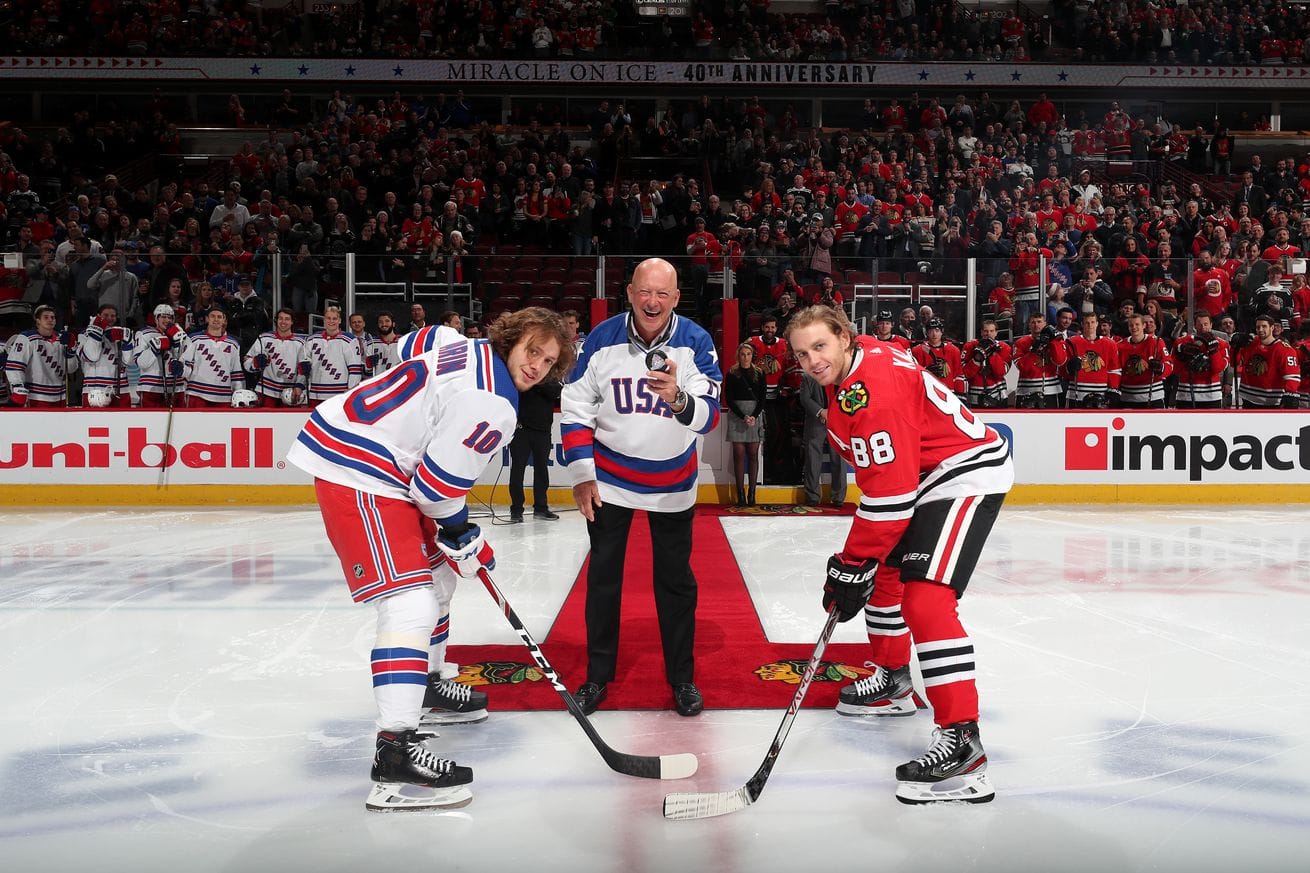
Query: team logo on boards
851, 400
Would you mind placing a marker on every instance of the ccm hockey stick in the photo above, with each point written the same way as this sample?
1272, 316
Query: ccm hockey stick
648, 767
680, 807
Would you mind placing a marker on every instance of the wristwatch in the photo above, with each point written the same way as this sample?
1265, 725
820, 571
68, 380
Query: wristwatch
679, 401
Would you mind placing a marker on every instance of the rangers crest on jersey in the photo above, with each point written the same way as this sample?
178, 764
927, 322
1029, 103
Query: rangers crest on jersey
852, 399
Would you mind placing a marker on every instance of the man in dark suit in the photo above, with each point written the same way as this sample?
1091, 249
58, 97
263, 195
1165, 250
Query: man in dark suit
532, 438
1251, 192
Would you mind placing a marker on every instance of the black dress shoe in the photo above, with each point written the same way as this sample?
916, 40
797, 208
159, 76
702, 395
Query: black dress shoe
515, 517
545, 515
687, 699
589, 696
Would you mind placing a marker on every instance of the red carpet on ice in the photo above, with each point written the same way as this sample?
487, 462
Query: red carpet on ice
736, 667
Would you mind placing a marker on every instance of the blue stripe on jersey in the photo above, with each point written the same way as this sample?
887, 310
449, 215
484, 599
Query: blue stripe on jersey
342, 461
354, 439
494, 376
446, 476
643, 476
459, 517
419, 342
610, 332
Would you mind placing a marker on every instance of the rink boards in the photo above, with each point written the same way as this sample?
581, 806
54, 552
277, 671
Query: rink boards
118, 457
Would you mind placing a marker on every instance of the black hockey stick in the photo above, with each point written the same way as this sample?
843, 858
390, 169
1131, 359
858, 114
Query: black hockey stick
680, 807
678, 766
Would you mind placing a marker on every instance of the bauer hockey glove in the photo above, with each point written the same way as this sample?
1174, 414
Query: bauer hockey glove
849, 584
467, 551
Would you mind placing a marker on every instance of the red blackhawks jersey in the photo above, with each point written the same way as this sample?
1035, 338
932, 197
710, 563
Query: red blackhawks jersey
1139, 384
942, 361
911, 441
1267, 371
985, 368
771, 358
1200, 362
1039, 369
1093, 366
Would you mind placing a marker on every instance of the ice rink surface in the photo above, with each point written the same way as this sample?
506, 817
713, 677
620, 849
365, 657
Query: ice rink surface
188, 691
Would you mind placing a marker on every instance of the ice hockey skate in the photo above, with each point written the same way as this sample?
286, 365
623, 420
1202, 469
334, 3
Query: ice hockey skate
448, 702
953, 769
406, 776
886, 692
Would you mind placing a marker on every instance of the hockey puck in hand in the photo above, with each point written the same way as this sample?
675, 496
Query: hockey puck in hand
657, 360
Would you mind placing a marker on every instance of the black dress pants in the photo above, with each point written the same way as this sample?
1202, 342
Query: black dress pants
537, 444
675, 590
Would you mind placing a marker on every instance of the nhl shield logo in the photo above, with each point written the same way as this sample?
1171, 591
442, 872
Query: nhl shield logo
851, 400
358, 570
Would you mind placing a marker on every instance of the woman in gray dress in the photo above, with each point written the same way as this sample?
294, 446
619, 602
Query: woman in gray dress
743, 389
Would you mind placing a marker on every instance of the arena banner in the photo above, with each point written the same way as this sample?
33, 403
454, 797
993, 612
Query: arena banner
1246, 456
569, 72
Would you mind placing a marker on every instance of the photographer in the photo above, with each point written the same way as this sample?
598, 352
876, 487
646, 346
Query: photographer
984, 363
1040, 361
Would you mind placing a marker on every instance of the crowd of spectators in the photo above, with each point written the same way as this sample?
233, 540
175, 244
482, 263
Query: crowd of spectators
420, 189
1143, 31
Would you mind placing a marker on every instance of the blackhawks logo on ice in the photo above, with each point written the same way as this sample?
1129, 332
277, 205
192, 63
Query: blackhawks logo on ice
498, 673
851, 400
790, 671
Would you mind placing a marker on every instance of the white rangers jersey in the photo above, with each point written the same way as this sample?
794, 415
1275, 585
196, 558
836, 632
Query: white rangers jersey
152, 359
37, 366
335, 364
283, 353
103, 359
423, 431
385, 353
621, 434
211, 366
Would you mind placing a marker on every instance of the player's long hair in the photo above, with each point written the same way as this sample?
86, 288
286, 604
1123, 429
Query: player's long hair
834, 318
510, 327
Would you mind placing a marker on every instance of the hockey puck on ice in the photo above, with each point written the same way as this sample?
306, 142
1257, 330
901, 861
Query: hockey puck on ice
657, 361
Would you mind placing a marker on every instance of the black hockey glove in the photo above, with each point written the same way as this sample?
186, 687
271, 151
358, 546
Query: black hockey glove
1112, 400
849, 585
1156, 366
1199, 363
1290, 401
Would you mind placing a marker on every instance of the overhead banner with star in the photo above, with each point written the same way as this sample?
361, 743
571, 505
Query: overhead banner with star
570, 72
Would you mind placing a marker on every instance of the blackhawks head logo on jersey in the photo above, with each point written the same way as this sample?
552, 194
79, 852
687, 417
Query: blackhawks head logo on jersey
851, 400
769, 364
1135, 365
1092, 362
1257, 365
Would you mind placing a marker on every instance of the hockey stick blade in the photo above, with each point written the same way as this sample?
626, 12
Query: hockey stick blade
688, 806
678, 766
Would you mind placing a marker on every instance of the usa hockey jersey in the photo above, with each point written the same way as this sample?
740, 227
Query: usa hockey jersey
423, 431
335, 364
619, 433
911, 441
37, 367
211, 366
283, 354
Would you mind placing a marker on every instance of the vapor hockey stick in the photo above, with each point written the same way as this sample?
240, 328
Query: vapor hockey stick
678, 766
680, 807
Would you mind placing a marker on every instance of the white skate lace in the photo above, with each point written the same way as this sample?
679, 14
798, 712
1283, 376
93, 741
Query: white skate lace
874, 682
943, 745
454, 690
424, 759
